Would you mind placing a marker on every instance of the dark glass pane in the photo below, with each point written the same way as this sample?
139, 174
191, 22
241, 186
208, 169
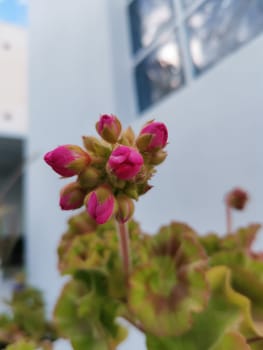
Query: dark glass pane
220, 26
159, 73
147, 19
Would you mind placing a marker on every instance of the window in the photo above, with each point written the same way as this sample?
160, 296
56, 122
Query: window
174, 41
159, 73
217, 28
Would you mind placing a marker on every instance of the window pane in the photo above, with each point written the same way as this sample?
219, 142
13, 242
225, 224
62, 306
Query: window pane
187, 3
159, 73
147, 19
219, 26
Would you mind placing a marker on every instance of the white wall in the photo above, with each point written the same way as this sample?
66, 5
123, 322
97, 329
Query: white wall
215, 137
13, 81
70, 85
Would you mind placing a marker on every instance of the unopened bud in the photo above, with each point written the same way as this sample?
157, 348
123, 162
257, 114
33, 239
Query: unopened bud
158, 157
100, 204
90, 177
109, 128
67, 160
125, 208
237, 199
71, 196
159, 135
125, 162
143, 142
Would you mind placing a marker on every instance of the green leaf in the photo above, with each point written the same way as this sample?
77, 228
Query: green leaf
87, 317
229, 341
219, 326
232, 341
171, 286
22, 345
28, 312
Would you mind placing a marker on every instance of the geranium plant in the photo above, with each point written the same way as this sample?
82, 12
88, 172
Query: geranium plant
182, 290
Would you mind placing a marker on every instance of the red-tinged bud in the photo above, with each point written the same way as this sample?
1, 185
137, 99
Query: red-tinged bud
237, 199
158, 133
100, 204
71, 196
109, 128
125, 162
67, 160
125, 208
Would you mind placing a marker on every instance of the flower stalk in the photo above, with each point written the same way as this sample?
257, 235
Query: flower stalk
228, 218
124, 242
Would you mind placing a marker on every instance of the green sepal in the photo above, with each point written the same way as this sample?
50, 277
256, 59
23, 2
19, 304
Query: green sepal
96, 147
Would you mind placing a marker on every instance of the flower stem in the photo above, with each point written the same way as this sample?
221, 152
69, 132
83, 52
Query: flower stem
228, 219
124, 248
254, 340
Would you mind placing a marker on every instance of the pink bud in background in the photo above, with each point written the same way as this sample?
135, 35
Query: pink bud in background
71, 196
237, 198
109, 128
67, 160
125, 162
100, 204
159, 134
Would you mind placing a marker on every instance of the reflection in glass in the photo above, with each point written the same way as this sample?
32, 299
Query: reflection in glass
187, 3
159, 73
147, 20
219, 26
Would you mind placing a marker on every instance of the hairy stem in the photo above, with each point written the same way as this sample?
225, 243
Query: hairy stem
124, 248
254, 340
228, 219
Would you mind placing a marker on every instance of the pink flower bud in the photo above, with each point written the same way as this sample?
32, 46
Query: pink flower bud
159, 134
237, 199
100, 204
71, 196
109, 128
125, 162
67, 160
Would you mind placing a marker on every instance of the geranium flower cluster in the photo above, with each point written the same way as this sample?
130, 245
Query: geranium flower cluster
112, 171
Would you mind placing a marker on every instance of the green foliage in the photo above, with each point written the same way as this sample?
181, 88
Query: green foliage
22, 345
86, 314
171, 286
26, 320
184, 291
221, 324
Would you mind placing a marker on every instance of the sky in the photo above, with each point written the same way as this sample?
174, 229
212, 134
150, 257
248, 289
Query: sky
14, 12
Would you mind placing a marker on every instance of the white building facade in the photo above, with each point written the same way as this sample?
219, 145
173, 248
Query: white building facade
80, 67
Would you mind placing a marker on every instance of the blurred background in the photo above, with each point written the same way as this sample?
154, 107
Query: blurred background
196, 65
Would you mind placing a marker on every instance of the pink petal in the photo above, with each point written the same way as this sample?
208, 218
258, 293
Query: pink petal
92, 205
